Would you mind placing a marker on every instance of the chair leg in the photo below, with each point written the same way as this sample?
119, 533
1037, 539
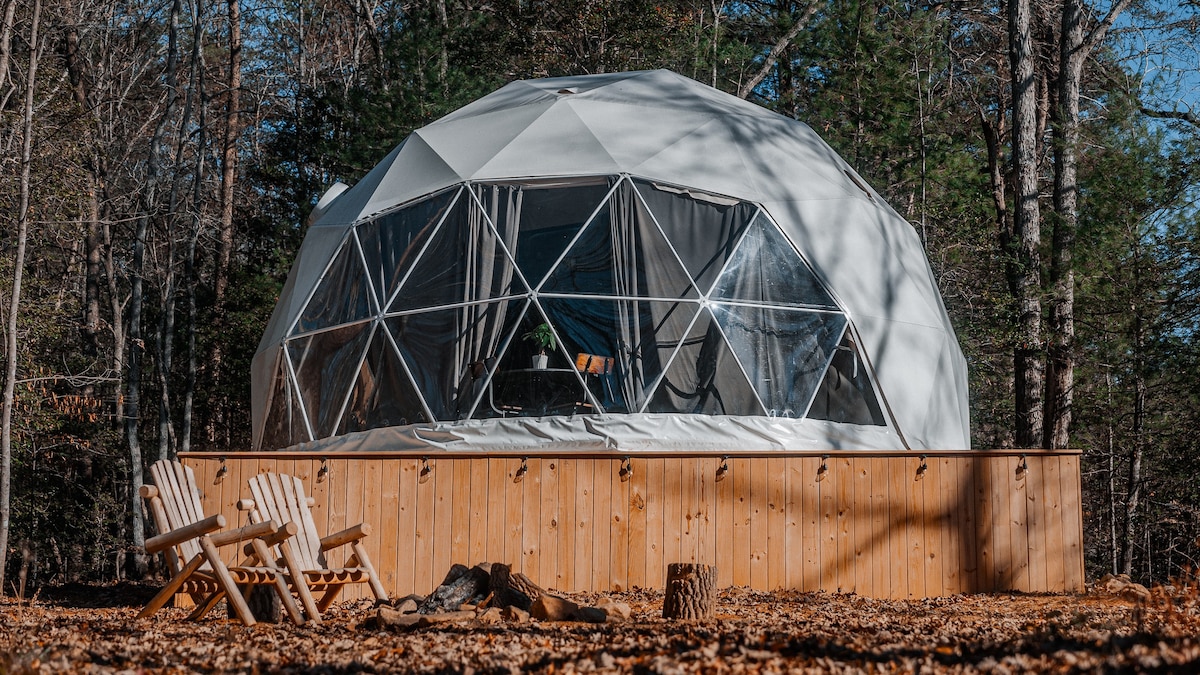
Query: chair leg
158, 601
226, 582
281, 587
299, 583
372, 577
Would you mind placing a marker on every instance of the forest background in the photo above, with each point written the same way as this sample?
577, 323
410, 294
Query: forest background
159, 159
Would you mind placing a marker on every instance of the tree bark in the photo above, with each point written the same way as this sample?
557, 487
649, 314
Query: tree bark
1024, 257
1060, 365
225, 234
14, 305
690, 591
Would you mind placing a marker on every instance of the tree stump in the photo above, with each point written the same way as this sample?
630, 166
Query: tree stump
689, 591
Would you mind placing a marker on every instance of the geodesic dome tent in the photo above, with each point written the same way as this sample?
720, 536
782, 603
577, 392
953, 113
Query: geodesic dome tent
703, 274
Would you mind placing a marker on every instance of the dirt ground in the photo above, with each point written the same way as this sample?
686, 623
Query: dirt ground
94, 629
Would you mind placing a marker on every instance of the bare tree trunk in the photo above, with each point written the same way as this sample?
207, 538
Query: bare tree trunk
225, 235
14, 305
148, 205
1024, 266
6, 29
189, 264
1133, 483
1060, 365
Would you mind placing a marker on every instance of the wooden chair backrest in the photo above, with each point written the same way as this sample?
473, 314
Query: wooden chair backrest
281, 498
180, 497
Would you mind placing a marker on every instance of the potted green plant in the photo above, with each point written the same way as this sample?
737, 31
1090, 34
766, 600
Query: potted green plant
542, 338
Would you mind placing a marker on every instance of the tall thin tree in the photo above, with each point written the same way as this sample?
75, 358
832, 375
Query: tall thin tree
14, 305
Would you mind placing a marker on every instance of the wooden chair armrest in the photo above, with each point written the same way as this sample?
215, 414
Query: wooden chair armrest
168, 539
245, 504
285, 531
148, 491
243, 533
345, 536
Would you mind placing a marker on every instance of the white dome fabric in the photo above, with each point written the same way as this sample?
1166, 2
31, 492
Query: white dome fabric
400, 324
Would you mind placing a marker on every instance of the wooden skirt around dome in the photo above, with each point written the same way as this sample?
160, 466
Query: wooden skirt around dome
886, 525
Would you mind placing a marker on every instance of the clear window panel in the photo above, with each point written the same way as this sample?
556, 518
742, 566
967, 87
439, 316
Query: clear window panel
766, 269
845, 394
538, 221
620, 346
449, 351
705, 378
392, 241
784, 352
342, 296
465, 262
383, 394
703, 233
325, 364
284, 425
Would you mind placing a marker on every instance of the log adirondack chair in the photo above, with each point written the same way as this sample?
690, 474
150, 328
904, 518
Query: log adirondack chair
186, 534
281, 498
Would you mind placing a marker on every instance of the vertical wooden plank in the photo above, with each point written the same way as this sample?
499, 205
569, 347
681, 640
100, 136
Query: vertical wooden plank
404, 517
531, 518
689, 539
672, 512
793, 515
842, 476
464, 495
477, 487
514, 509
776, 523
810, 522
916, 529
828, 524
425, 576
445, 506
370, 511
1072, 519
656, 567
948, 526
758, 523
348, 499
739, 470
879, 554
1017, 527
985, 525
547, 572
1035, 524
639, 540
1056, 571
585, 528
1002, 489
861, 521
618, 522
387, 564
931, 497
968, 525
567, 526
602, 524
497, 517
898, 523
702, 489
723, 523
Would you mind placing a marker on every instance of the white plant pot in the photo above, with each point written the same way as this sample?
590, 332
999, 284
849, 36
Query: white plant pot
540, 361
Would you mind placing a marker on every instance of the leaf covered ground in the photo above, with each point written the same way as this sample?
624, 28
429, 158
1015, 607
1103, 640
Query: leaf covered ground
94, 629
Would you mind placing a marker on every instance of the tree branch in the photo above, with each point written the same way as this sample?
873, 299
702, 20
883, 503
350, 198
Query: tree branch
773, 55
1186, 116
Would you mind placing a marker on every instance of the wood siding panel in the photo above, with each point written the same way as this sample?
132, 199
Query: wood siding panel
968, 525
